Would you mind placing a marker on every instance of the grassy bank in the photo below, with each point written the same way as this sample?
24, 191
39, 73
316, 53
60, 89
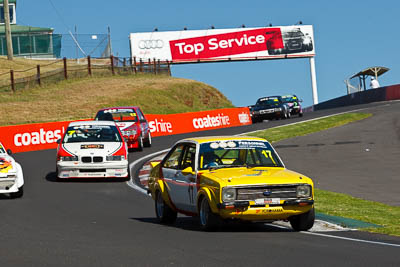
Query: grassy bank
343, 205
299, 129
81, 98
338, 204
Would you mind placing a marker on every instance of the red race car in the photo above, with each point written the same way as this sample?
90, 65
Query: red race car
132, 123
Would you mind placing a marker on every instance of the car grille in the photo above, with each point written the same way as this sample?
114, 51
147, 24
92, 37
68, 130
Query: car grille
92, 170
6, 184
294, 44
91, 159
252, 193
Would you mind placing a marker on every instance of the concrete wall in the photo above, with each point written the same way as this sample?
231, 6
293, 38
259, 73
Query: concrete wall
372, 95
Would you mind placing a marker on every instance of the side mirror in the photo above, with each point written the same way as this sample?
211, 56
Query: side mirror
58, 141
300, 100
9, 152
187, 171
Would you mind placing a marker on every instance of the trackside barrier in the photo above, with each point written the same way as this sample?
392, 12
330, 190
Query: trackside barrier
39, 136
386, 93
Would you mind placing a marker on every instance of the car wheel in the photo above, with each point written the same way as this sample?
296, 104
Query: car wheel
208, 220
301, 114
148, 142
303, 222
140, 144
164, 212
18, 194
288, 115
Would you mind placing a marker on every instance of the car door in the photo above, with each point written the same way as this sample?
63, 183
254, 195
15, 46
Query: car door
185, 180
170, 168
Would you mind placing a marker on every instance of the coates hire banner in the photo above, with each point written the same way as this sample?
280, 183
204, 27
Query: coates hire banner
38, 136
224, 44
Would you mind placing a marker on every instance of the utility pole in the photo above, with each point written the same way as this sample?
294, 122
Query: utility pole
10, 54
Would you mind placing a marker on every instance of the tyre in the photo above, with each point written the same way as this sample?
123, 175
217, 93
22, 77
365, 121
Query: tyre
140, 144
208, 220
18, 194
288, 114
163, 212
303, 222
148, 141
301, 114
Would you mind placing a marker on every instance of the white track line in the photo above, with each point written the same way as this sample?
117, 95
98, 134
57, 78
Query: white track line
131, 183
338, 237
352, 239
299, 122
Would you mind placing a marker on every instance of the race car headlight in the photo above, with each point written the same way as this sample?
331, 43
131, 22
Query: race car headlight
228, 194
278, 109
115, 158
307, 41
69, 158
303, 191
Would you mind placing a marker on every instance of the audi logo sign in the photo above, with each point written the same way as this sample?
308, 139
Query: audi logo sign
151, 44
225, 44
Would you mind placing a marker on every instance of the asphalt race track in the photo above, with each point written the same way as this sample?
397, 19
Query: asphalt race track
102, 223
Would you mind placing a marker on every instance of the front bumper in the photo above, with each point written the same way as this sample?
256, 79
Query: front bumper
88, 170
247, 210
272, 115
8, 185
132, 142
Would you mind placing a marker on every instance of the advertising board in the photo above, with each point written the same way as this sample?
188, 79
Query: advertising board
224, 44
38, 136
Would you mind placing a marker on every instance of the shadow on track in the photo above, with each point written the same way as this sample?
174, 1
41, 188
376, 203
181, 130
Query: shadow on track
192, 224
52, 177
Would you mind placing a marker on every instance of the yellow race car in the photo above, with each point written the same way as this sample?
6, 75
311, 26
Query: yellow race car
230, 177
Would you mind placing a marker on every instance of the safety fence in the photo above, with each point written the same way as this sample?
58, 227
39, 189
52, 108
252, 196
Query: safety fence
39, 136
57, 70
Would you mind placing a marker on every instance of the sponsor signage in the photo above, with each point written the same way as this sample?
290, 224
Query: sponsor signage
38, 136
224, 44
197, 121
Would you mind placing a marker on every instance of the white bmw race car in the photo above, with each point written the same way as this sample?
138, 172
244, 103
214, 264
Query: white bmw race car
92, 149
11, 175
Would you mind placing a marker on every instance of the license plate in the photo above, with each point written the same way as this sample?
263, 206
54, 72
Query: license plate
272, 200
263, 201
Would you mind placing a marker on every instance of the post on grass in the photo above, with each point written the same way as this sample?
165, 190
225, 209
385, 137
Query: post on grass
38, 75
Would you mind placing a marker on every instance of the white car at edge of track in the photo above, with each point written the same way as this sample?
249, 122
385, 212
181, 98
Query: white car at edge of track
92, 149
11, 175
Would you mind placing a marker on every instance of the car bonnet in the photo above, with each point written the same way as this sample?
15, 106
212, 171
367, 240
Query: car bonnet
92, 148
256, 175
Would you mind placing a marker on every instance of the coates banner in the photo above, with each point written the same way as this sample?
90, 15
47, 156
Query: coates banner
224, 44
197, 121
29, 137
38, 136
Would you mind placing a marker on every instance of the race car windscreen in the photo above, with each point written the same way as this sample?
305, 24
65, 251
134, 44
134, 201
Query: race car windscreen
92, 133
289, 99
226, 154
121, 114
268, 101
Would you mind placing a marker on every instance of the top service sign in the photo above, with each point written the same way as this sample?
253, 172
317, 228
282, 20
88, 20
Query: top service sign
224, 44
